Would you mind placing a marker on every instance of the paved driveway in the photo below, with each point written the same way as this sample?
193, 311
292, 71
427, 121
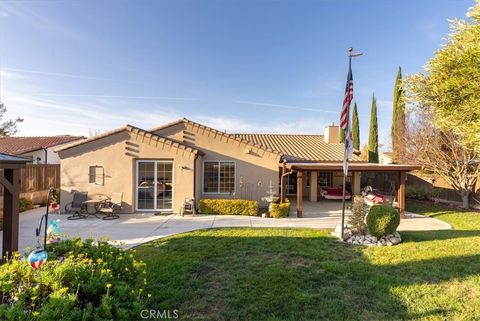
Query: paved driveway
135, 229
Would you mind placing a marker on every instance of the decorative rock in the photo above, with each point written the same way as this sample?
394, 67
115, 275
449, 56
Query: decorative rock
367, 239
264, 215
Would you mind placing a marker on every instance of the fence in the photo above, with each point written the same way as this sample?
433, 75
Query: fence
38, 178
445, 192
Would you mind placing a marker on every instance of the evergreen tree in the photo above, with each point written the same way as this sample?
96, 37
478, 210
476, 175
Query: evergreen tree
398, 117
342, 135
355, 128
373, 134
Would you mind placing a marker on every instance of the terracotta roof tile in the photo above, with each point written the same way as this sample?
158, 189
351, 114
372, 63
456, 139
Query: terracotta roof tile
301, 148
17, 145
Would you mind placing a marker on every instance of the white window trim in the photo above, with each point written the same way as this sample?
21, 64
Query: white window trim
218, 188
155, 185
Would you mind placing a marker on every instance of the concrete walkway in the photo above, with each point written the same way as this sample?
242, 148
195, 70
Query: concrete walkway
135, 229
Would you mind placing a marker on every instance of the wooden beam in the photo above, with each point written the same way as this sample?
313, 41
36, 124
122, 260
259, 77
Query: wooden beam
299, 193
6, 184
11, 201
401, 193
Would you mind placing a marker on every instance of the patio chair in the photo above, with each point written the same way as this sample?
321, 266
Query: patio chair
112, 206
77, 206
388, 200
188, 206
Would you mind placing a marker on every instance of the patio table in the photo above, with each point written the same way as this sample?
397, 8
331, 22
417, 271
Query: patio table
89, 204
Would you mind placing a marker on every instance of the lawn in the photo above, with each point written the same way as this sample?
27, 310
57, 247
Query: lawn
293, 274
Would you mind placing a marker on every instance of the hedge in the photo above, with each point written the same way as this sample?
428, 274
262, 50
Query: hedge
279, 210
382, 220
228, 207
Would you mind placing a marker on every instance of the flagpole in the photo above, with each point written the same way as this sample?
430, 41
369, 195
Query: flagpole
345, 152
345, 156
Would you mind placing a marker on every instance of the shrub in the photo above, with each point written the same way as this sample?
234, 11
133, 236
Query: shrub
228, 207
25, 204
279, 210
382, 220
415, 193
81, 280
357, 219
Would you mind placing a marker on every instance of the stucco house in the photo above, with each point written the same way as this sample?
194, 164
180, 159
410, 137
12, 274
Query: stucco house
157, 169
38, 149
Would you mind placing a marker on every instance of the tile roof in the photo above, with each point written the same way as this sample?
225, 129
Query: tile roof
133, 129
17, 145
300, 148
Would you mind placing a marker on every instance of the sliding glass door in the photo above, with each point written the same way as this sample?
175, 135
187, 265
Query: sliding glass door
154, 185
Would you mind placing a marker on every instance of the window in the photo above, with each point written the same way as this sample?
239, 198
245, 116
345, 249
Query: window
324, 179
219, 177
95, 175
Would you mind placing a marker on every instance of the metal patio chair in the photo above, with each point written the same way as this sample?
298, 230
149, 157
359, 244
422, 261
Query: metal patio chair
77, 206
112, 206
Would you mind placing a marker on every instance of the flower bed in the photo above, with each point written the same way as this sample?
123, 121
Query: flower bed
81, 280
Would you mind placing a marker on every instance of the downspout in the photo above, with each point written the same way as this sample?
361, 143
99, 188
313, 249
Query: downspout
46, 155
195, 179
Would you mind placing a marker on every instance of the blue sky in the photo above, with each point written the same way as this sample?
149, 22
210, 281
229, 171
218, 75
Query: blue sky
242, 66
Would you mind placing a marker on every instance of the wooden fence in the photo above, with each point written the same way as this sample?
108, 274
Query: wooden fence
445, 192
36, 178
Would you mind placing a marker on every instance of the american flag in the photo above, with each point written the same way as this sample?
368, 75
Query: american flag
345, 121
347, 101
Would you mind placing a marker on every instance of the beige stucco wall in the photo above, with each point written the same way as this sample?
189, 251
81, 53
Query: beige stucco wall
254, 167
120, 169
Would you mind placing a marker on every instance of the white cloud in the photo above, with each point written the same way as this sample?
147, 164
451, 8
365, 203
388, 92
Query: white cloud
291, 107
5, 74
4, 14
43, 22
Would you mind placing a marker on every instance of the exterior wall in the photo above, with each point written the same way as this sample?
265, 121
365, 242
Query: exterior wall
119, 169
254, 167
385, 159
38, 156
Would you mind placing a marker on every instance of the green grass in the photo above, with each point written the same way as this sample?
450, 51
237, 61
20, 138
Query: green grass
292, 274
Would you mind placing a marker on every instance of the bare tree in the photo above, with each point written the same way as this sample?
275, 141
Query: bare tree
441, 153
8, 127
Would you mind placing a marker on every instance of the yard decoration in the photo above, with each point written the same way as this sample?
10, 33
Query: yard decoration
37, 258
53, 232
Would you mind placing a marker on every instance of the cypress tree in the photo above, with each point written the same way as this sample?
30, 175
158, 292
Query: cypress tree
398, 117
355, 128
373, 134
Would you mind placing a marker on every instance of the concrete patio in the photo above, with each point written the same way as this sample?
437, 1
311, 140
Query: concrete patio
135, 229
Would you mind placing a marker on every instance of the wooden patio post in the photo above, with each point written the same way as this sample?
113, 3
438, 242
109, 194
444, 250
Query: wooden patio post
282, 184
401, 193
299, 193
11, 196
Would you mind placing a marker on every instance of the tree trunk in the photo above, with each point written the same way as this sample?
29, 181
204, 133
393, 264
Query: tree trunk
465, 199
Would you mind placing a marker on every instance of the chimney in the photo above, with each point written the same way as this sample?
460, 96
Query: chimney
332, 134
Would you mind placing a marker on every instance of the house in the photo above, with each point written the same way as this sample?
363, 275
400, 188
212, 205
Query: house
39, 149
385, 158
158, 169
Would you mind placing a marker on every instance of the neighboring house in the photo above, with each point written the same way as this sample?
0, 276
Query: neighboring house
385, 158
39, 149
158, 169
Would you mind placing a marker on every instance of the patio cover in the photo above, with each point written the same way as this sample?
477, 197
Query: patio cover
352, 167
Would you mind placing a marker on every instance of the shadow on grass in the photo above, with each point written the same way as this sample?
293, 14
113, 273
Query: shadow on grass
238, 274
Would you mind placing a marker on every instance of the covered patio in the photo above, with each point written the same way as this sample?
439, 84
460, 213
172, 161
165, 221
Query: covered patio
355, 168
